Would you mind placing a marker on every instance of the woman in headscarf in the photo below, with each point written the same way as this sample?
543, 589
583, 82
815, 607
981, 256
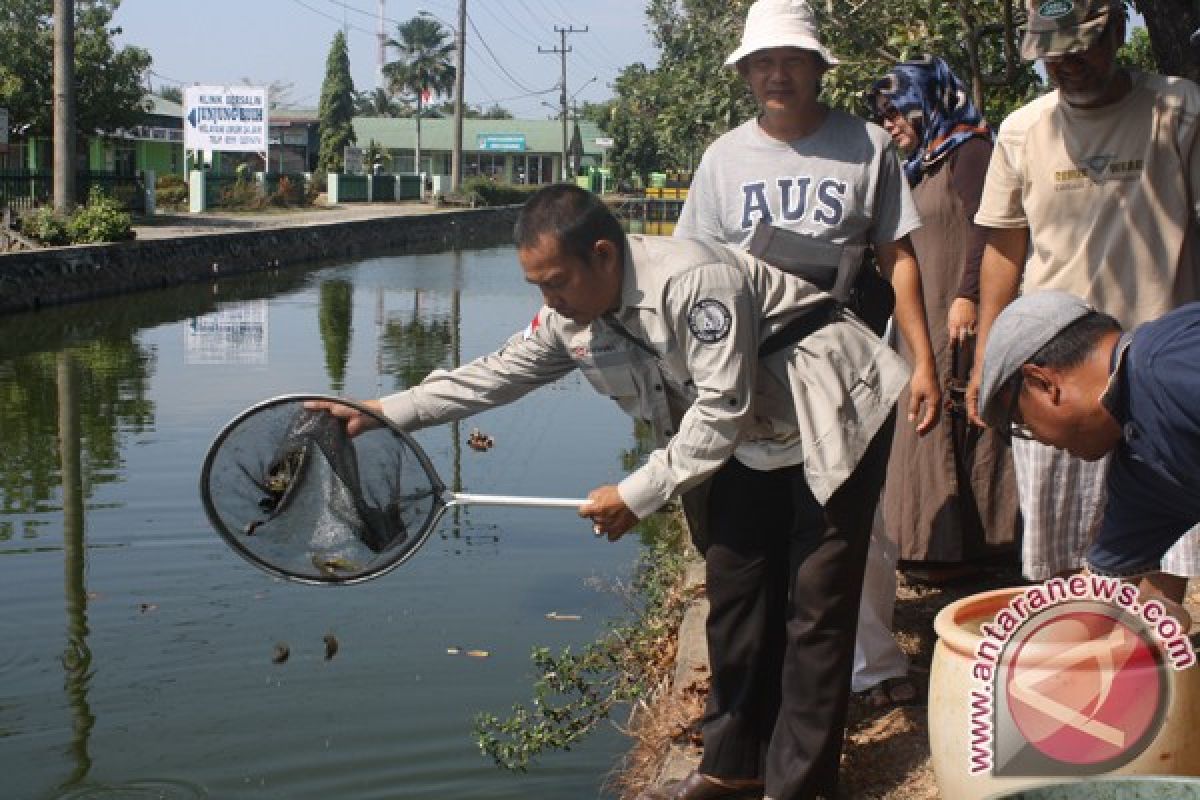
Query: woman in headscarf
950, 496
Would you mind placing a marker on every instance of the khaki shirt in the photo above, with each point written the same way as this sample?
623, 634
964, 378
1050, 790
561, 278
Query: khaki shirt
681, 354
1111, 196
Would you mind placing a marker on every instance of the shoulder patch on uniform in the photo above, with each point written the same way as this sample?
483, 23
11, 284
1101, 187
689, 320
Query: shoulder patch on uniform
709, 320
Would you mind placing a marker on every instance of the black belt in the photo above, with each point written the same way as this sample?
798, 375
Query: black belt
801, 327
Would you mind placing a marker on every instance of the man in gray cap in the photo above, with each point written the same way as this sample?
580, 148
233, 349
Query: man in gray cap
1057, 370
1093, 189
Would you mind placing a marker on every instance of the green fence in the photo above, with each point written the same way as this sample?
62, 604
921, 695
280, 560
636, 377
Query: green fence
408, 187
20, 189
352, 189
383, 188
217, 189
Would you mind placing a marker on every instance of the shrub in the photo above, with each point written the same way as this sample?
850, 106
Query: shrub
289, 193
171, 191
243, 195
489, 193
46, 226
101, 220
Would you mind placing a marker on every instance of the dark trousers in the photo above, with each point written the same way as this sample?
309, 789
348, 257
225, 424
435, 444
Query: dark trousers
784, 579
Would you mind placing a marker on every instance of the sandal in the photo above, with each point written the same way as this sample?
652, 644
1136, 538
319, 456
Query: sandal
890, 693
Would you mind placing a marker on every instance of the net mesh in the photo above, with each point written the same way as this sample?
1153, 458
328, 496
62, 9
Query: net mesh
291, 491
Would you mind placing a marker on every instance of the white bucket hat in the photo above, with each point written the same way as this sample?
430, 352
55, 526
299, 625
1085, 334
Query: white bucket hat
780, 23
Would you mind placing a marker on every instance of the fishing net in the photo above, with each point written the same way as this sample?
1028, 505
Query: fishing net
288, 488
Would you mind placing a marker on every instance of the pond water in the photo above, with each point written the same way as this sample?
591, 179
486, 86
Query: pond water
137, 650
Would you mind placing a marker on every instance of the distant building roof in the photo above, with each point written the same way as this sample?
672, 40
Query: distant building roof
162, 107
541, 135
293, 115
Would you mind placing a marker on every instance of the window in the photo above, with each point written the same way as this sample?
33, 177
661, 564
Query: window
125, 159
491, 165
538, 170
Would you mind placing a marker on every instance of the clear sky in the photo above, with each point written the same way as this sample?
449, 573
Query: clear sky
226, 41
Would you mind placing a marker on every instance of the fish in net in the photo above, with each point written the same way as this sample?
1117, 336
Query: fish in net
295, 491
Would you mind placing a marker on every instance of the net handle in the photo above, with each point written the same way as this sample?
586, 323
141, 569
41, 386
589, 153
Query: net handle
465, 498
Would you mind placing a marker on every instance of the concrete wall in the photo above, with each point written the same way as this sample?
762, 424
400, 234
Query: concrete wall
30, 280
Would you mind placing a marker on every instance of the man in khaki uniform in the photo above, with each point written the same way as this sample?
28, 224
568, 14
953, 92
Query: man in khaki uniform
772, 410
1093, 189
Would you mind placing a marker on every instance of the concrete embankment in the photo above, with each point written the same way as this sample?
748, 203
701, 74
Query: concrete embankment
60, 275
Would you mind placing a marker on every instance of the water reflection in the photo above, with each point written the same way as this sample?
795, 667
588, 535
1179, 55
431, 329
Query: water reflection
111, 386
107, 410
77, 657
237, 333
335, 321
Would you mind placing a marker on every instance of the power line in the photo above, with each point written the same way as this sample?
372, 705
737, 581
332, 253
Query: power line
482, 41
503, 24
341, 22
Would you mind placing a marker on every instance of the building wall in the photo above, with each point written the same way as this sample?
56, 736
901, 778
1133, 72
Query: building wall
165, 158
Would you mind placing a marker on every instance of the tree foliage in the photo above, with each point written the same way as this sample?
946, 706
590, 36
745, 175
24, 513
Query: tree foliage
109, 82
424, 68
1169, 26
172, 93
1137, 52
664, 117
336, 109
378, 103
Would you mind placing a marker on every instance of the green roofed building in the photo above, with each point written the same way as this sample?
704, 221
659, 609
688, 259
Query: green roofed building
155, 143
518, 151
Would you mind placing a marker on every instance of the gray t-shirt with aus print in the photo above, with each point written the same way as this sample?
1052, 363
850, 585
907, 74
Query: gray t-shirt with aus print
842, 184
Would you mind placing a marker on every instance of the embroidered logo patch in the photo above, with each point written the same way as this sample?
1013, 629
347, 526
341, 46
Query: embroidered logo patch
1053, 9
710, 321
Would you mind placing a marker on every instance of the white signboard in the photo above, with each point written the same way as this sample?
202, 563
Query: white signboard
225, 118
352, 160
604, 142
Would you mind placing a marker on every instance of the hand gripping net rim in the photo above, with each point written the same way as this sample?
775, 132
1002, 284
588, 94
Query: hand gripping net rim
231, 516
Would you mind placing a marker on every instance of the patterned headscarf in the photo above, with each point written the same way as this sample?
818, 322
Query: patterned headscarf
937, 105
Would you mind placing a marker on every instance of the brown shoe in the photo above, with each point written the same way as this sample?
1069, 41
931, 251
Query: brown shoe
700, 787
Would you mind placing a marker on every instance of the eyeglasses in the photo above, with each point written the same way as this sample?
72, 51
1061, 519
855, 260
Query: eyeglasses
1014, 428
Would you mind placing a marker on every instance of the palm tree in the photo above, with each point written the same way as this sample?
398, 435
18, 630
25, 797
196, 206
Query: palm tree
424, 68
376, 103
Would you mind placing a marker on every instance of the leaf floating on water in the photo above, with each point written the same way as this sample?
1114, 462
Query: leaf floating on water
554, 615
454, 651
281, 653
478, 653
331, 646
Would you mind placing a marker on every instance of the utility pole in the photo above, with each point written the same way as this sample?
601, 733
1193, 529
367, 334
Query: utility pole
64, 104
562, 94
381, 55
460, 58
